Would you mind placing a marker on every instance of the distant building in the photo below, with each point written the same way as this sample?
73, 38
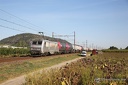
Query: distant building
8, 46
4, 46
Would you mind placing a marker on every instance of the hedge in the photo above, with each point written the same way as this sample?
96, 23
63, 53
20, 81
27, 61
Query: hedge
13, 52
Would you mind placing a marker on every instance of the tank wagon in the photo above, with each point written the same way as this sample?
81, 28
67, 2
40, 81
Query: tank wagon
47, 47
77, 48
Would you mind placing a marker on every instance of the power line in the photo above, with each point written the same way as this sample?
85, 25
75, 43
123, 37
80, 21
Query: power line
22, 19
22, 25
16, 24
11, 28
16, 17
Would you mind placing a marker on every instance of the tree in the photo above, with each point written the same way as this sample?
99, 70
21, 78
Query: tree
113, 48
21, 43
126, 48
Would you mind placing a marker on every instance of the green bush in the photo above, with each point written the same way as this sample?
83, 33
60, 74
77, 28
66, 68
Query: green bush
13, 52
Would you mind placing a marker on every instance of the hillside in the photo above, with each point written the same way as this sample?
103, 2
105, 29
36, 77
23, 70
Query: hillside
23, 40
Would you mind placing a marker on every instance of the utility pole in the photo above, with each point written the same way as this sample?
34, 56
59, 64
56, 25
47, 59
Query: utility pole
92, 46
74, 40
66, 36
52, 34
86, 44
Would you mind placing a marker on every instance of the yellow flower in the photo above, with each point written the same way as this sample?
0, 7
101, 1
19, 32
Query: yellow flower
63, 83
96, 67
113, 83
105, 64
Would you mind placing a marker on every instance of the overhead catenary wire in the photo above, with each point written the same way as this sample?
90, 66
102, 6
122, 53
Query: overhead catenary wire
30, 26
16, 16
25, 21
19, 19
28, 23
11, 28
17, 24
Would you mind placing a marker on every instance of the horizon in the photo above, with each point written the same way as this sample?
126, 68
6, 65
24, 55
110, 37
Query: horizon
71, 43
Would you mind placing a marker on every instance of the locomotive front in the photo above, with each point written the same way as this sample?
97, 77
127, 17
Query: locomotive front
36, 47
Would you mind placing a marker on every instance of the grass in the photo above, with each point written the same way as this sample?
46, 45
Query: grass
19, 68
117, 51
101, 69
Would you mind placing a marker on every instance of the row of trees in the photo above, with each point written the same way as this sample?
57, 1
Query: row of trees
115, 48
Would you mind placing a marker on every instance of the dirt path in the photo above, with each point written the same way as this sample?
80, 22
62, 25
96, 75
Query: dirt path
20, 80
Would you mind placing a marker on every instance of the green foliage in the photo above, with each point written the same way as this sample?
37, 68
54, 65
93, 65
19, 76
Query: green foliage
13, 52
126, 48
113, 48
21, 43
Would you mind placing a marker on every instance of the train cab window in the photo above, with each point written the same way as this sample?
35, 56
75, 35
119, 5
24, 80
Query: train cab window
39, 42
34, 42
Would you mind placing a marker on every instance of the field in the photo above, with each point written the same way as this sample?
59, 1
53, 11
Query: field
10, 70
102, 69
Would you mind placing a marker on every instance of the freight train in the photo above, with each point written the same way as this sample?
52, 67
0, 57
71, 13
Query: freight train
47, 47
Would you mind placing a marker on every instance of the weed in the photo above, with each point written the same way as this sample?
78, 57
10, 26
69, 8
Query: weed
102, 69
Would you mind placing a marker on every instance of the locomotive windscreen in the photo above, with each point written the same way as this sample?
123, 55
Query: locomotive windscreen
37, 42
34, 42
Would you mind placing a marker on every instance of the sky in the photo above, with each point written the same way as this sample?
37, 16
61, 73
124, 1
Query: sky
96, 23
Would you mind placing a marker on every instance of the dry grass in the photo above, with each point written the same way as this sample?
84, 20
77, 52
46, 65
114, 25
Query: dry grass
102, 69
18, 68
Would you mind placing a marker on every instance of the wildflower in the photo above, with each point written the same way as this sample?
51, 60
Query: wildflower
96, 67
64, 82
113, 83
105, 65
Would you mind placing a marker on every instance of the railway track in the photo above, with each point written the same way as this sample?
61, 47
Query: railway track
11, 59
15, 59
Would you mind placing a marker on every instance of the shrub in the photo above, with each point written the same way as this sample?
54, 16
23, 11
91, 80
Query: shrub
13, 52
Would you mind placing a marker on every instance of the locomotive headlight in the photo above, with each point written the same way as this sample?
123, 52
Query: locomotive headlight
35, 48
